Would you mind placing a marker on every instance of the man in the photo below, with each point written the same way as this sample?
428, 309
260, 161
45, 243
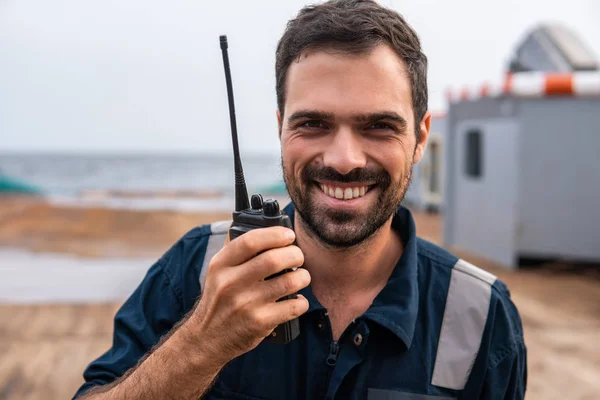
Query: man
383, 314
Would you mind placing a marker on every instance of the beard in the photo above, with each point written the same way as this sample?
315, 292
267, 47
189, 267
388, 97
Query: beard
342, 229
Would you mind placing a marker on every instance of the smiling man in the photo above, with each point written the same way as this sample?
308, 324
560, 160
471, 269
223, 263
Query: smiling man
383, 314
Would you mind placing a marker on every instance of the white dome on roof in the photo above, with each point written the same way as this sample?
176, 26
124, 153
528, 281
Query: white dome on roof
553, 47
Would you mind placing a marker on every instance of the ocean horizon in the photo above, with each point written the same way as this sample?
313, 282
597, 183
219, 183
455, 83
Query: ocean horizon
181, 181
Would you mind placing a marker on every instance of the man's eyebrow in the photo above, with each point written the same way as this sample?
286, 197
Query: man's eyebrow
310, 114
384, 115
368, 117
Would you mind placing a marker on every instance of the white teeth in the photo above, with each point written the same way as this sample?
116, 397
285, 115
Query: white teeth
344, 193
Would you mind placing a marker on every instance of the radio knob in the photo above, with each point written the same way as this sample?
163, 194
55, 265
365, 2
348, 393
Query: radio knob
256, 201
271, 208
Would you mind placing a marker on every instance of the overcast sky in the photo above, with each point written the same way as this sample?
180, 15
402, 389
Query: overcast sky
147, 75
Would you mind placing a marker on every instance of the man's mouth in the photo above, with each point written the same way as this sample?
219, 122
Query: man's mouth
344, 193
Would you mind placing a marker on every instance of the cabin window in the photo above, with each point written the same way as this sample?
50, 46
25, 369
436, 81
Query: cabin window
434, 177
473, 161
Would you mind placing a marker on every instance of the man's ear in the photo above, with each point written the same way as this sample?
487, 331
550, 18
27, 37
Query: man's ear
424, 128
278, 121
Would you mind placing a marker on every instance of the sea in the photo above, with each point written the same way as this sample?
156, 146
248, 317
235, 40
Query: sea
182, 182
143, 181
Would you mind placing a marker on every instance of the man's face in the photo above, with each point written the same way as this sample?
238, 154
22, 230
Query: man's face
348, 142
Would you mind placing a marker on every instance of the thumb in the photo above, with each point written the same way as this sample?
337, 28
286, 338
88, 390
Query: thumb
227, 239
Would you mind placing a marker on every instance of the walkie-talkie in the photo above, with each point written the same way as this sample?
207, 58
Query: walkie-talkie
257, 214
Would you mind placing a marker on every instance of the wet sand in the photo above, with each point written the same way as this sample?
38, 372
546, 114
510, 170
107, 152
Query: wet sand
45, 347
39, 226
27, 277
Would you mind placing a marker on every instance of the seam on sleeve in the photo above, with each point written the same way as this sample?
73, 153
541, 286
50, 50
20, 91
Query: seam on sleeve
504, 353
174, 288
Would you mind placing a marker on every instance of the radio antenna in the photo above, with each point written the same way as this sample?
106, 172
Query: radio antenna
241, 193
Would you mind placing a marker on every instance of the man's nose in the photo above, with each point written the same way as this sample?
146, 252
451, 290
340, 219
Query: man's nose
345, 152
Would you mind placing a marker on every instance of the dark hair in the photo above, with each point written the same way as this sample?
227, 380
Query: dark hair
354, 27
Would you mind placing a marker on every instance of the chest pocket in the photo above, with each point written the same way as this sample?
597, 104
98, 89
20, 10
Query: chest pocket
385, 394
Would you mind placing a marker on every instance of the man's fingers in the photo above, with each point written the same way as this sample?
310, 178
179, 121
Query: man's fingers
282, 311
284, 284
243, 248
271, 262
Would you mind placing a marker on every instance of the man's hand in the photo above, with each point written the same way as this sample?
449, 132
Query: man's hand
237, 310
239, 307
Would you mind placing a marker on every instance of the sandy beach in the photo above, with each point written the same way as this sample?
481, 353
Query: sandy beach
39, 226
44, 346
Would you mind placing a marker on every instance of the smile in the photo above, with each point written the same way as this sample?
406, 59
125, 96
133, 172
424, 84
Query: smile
344, 193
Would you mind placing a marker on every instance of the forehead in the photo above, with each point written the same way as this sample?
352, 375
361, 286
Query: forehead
345, 84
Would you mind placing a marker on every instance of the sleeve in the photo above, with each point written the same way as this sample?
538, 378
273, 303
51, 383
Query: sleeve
507, 380
149, 313
500, 370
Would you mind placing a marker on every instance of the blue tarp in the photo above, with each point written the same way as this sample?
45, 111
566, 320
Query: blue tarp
10, 185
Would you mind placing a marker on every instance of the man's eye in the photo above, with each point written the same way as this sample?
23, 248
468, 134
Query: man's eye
312, 125
381, 126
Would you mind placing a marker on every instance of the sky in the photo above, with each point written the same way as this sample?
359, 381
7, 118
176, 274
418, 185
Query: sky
147, 76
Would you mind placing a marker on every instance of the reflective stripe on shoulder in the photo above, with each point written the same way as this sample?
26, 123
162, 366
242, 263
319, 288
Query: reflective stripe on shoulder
216, 240
464, 320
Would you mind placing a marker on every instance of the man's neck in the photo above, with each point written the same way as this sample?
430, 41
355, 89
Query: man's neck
342, 274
